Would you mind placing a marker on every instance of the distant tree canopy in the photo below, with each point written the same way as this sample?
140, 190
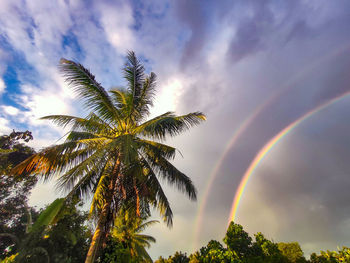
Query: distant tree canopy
241, 248
178, 257
292, 251
14, 191
342, 255
65, 241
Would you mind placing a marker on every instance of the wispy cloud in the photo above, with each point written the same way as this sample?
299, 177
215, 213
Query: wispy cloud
10, 110
2, 86
4, 126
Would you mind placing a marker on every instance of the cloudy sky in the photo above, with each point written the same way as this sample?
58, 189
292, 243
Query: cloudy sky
269, 62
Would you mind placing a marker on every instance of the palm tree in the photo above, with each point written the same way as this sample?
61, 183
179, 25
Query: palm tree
127, 230
114, 153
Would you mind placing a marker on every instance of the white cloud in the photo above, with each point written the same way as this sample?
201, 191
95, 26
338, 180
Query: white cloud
10, 110
2, 86
167, 97
117, 26
41, 190
41, 103
41, 47
4, 123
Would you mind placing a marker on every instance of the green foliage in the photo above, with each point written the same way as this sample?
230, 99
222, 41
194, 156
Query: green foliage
238, 240
161, 260
342, 255
267, 250
213, 252
292, 251
241, 248
178, 257
14, 191
8, 142
126, 236
9, 259
115, 252
64, 241
68, 239
49, 215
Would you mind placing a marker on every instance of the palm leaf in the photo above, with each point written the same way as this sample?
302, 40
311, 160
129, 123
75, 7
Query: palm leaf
49, 215
144, 225
91, 123
157, 148
134, 74
172, 175
169, 124
87, 88
158, 198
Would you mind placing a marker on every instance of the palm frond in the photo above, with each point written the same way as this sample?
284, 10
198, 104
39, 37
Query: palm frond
76, 136
145, 100
169, 124
144, 240
157, 148
158, 198
49, 215
141, 251
144, 225
54, 159
169, 173
87, 88
134, 73
90, 124
121, 101
92, 163
98, 197
86, 186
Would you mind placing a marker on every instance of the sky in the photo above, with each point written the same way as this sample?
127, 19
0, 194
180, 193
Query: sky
253, 67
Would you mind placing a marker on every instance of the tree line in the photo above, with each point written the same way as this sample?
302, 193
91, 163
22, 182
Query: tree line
239, 247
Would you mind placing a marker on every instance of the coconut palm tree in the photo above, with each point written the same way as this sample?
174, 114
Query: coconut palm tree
115, 153
128, 229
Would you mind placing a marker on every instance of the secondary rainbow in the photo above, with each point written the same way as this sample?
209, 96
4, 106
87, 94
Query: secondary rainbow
267, 148
238, 132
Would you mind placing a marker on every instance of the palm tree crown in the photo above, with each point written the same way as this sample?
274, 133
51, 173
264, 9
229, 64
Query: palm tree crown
115, 154
128, 230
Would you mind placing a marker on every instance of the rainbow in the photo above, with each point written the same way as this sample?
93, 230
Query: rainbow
242, 128
267, 148
239, 131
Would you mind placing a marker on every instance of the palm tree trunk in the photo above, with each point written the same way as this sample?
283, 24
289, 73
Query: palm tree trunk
99, 235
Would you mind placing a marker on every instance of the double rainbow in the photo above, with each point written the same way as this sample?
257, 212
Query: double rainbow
267, 148
243, 127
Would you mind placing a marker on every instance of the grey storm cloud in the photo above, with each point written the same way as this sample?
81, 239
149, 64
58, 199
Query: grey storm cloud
250, 32
195, 17
303, 44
